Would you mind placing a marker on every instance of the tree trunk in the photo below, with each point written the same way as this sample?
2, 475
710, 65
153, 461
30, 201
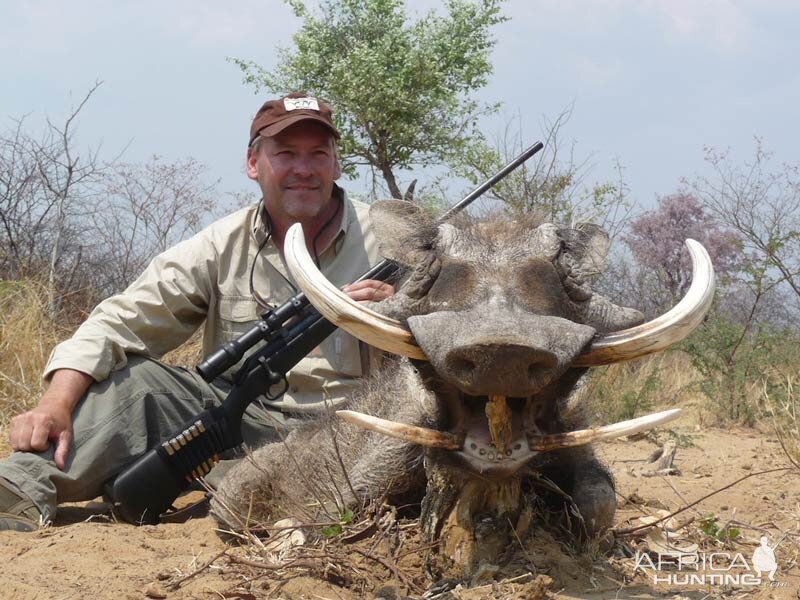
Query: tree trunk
391, 182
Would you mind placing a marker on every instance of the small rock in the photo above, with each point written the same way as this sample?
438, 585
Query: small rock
154, 590
287, 538
387, 592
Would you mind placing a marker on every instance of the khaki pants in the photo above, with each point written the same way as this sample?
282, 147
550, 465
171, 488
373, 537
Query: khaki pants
120, 419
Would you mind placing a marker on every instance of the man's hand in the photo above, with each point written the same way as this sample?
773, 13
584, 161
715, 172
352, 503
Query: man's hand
370, 290
51, 421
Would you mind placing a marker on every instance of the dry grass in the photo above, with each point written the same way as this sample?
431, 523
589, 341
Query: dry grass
26, 337
780, 400
659, 381
187, 354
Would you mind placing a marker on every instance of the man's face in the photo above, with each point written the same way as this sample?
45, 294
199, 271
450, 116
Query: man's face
295, 170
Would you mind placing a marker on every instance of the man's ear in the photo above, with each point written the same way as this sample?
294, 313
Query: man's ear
337, 170
252, 172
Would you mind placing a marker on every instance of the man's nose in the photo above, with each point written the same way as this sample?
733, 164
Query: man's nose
302, 167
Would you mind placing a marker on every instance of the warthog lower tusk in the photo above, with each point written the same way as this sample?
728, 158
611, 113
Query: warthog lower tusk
409, 433
558, 441
664, 331
538, 443
341, 310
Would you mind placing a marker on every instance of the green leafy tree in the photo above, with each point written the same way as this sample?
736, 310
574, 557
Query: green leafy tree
401, 89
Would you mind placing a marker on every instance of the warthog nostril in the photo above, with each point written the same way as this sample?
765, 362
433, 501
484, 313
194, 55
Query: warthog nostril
540, 367
499, 368
536, 370
461, 366
540, 359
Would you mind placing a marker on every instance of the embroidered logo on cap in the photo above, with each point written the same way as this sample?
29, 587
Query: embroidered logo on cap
306, 103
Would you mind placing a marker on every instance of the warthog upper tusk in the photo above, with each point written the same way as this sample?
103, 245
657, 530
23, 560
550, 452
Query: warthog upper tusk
663, 331
558, 441
341, 310
409, 433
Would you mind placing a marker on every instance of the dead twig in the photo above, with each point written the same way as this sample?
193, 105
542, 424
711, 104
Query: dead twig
392, 568
334, 437
522, 547
632, 530
785, 450
417, 549
176, 584
297, 563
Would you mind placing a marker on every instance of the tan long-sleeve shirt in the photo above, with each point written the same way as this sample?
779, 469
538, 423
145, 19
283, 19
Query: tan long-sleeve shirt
204, 281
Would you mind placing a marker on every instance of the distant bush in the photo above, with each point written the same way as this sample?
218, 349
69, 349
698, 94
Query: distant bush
737, 366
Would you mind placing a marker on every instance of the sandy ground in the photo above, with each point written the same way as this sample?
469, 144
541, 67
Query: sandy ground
88, 555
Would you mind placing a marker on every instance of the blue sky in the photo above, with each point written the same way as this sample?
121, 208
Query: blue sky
650, 81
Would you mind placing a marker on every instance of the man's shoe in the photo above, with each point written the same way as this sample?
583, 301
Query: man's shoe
17, 511
9, 522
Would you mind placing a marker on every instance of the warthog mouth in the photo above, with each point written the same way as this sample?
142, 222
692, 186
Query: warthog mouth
497, 431
496, 435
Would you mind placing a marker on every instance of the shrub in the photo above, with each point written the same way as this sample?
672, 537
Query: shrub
738, 365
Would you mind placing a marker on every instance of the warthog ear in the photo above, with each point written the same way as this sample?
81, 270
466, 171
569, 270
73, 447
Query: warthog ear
404, 231
587, 246
605, 316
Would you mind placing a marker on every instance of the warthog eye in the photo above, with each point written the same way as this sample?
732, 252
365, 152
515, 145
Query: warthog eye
454, 286
540, 289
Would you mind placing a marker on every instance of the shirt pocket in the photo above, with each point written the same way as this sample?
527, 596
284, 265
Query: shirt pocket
237, 314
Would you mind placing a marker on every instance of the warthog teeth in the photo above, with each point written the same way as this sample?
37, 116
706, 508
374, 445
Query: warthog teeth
409, 433
557, 441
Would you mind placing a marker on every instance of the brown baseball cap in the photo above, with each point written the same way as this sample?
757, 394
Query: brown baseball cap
276, 115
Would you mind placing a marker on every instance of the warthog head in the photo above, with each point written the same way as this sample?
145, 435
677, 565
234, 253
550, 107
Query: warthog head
494, 316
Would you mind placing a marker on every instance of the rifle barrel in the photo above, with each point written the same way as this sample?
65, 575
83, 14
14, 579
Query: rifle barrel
490, 183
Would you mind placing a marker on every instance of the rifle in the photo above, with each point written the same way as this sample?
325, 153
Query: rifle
145, 490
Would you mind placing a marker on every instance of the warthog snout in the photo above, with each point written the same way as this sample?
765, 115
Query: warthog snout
474, 366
